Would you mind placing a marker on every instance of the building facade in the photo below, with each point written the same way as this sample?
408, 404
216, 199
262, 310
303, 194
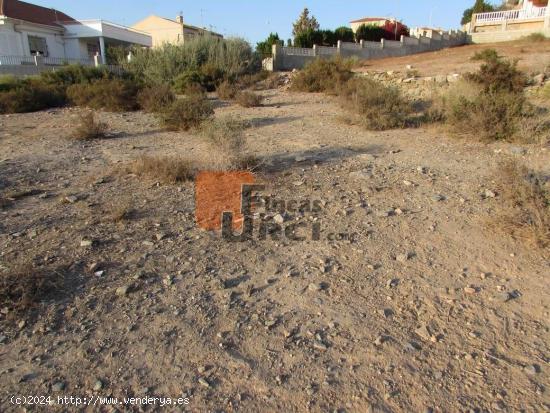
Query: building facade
163, 30
28, 30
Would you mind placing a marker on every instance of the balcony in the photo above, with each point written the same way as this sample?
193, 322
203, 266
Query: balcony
536, 13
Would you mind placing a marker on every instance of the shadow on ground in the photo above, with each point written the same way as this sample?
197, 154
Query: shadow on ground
284, 161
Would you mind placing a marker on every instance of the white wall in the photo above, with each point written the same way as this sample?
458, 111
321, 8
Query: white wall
10, 41
14, 39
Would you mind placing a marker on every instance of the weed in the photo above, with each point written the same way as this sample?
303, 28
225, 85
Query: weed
89, 128
525, 204
164, 169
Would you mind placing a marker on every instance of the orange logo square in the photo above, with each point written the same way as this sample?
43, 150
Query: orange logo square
219, 192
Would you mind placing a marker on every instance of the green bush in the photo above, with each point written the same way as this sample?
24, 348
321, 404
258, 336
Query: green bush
114, 95
186, 113
29, 95
323, 76
370, 33
308, 38
230, 57
344, 34
265, 48
155, 98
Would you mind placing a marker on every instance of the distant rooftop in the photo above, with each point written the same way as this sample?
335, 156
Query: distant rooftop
21, 10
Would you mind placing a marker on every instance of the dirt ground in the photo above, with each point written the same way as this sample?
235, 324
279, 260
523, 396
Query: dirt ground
532, 57
428, 309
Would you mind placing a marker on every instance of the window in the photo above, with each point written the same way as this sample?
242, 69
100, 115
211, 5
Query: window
38, 45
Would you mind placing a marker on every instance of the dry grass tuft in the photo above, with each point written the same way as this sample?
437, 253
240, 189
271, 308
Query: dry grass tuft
122, 211
525, 205
226, 136
227, 90
248, 99
89, 128
22, 289
163, 169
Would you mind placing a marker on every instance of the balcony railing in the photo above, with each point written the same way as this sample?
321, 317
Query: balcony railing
498, 16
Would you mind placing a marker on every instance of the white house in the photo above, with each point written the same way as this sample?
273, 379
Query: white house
28, 30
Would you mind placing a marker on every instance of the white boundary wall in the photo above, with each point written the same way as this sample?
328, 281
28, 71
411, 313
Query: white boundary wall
288, 58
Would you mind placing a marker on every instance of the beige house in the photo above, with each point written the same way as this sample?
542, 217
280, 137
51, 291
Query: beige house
164, 30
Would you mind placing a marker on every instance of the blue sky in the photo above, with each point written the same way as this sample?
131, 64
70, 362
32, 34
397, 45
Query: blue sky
254, 19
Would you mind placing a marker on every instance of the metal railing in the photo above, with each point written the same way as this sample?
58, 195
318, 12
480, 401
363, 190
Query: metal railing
523, 14
17, 60
41, 60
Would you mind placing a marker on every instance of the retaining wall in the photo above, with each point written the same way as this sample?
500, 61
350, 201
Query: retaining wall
288, 58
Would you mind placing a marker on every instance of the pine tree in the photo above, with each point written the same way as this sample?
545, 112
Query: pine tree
305, 23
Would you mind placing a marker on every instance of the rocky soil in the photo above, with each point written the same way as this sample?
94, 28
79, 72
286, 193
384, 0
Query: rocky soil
427, 308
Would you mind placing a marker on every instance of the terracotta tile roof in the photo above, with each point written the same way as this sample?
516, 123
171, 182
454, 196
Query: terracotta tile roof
32, 13
370, 19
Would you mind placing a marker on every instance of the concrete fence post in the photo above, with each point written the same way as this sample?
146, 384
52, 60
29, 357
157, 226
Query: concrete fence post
382, 43
277, 56
362, 43
38, 60
315, 51
96, 60
339, 48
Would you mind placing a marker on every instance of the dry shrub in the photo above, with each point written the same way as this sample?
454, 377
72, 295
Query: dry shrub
115, 95
22, 289
164, 169
323, 76
498, 75
248, 99
156, 98
490, 116
186, 113
379, 107
227, 90
29, 95
525, 205
489, 104
226, 137
89, 128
